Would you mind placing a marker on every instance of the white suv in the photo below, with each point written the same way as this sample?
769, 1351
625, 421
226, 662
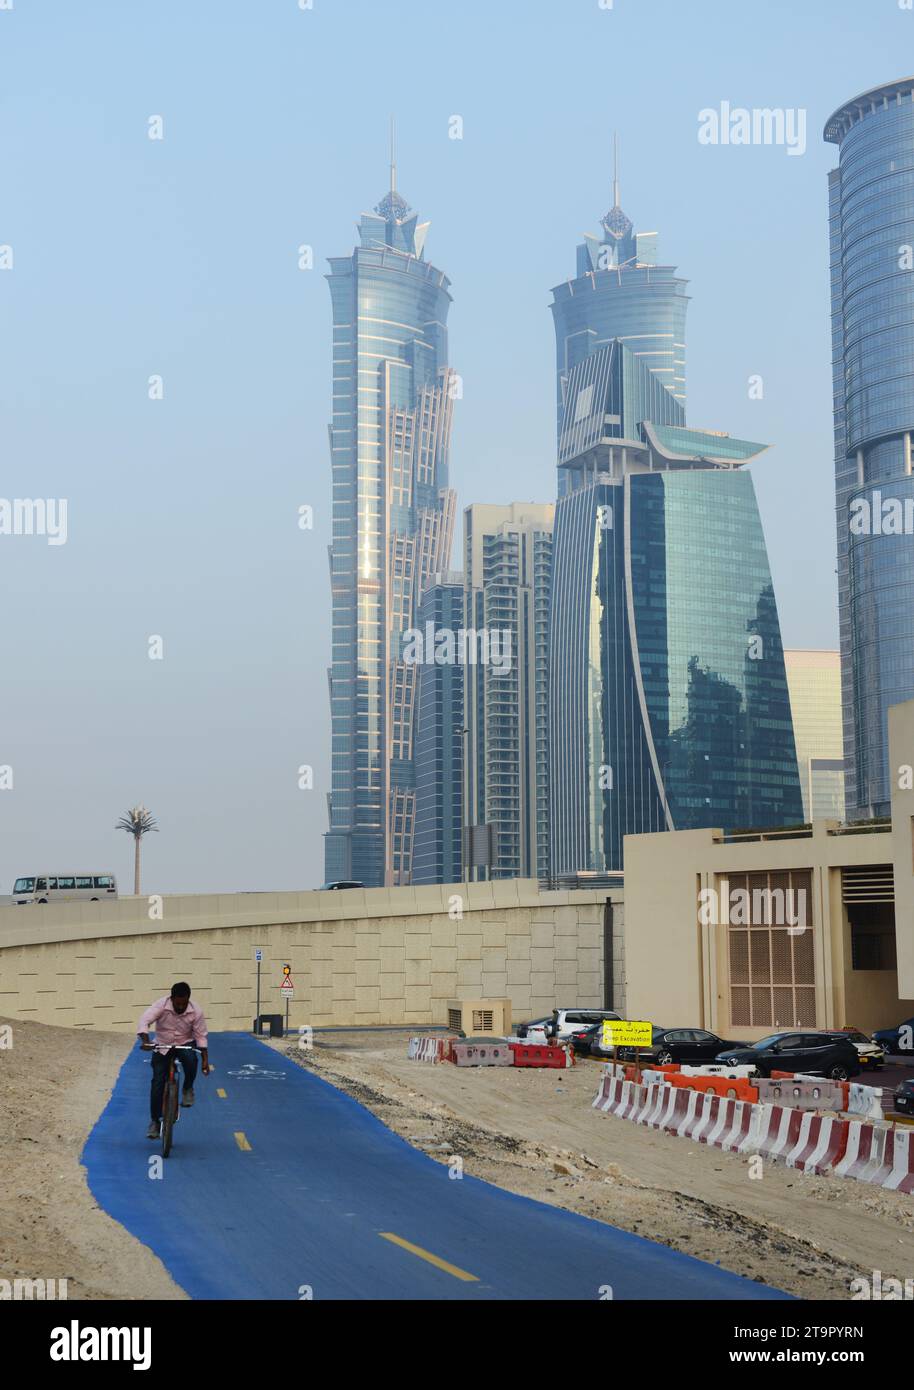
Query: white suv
563, 1023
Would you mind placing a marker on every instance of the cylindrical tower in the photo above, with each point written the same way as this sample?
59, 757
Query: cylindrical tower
872, 271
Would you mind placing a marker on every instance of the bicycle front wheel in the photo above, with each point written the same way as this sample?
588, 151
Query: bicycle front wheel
169, 1115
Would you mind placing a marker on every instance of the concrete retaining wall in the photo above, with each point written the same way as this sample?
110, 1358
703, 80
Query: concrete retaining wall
361, 956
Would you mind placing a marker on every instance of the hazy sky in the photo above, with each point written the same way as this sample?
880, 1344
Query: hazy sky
178, 257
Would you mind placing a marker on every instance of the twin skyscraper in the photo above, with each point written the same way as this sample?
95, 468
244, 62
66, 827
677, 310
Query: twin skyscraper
638, 677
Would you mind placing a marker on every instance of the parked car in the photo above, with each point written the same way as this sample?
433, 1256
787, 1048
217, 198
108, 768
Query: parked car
692, 1046
583, 1037
819, 1054
563, 1023
567, 1021
534, 1030
890, 1038
871, 1054
904, 1098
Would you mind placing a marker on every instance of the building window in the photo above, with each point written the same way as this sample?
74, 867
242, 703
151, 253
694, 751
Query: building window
770, 945
872, 936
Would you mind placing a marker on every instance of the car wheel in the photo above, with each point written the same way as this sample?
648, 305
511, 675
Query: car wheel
42, 900
839, 1074
665, 1057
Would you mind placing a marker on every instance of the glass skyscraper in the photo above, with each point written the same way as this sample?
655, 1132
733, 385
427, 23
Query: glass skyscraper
621, 293
871, 210
508, 582
668, 697
393, 516
438, 852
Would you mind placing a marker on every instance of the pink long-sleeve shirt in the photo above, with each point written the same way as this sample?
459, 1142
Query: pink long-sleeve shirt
172, 1029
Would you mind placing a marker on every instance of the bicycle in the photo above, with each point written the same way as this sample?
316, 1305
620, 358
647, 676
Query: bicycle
171, 1098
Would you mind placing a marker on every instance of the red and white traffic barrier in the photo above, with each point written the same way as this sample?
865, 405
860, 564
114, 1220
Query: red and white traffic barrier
659, 1108
724, 1124
820, 1144
606, 1091
892, 1166
684, 1112
661, 1117
858, 1153
865, 1101
779, 1131
804, 1140
876, 1168
428, 1049
651, 1098
705, 1116
621, 1102
743, 1117
901, 1178
635, 1102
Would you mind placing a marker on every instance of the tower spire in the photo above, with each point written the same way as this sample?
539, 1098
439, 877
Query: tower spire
393, 207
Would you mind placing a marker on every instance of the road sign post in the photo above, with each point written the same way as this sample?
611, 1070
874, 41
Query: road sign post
287, 989
625, 1032
258, 956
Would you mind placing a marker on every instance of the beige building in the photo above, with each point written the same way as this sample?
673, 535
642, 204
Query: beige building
814, 682
746, 933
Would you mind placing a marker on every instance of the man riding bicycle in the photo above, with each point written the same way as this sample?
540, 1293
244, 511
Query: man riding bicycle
178, 1023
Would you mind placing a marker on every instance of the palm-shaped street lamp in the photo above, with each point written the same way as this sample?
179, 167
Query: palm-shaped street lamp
137, 822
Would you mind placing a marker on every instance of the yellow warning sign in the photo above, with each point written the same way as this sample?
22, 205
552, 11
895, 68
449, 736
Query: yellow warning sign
624, 1032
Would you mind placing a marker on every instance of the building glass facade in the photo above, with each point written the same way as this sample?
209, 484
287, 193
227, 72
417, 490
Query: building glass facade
438, 851
392, 527
871, 218
508, 568
620, 293
668, 695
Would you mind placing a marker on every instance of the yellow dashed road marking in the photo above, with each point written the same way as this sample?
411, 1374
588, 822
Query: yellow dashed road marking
432, 1259
220, 1093
241, 1141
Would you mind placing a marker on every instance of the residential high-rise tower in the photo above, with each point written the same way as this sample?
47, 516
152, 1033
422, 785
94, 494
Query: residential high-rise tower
508, 581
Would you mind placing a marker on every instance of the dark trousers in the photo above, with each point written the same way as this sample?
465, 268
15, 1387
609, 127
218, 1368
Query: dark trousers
188, 1060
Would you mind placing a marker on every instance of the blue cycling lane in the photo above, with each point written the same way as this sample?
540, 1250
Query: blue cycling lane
279, 1186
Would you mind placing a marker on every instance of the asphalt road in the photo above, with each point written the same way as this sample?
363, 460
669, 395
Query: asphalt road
281, 1187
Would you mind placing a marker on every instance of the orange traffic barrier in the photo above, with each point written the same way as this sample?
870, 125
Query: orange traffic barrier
728, 1087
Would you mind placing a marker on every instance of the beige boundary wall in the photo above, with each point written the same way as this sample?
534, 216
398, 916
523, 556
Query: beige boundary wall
360, 956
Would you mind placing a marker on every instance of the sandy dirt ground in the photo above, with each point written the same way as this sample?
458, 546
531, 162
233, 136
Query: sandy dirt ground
534, 1132
54, 1083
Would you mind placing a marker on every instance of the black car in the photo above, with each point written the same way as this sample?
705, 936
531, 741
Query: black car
893, 1041
904, 1098
819, 1054
691, 1046
582, 1038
